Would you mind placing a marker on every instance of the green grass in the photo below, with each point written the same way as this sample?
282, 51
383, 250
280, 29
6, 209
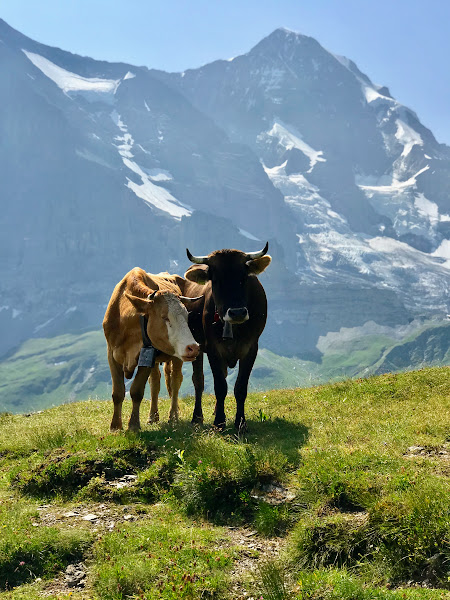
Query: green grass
366, 516
338, 584
165, 558
28, 550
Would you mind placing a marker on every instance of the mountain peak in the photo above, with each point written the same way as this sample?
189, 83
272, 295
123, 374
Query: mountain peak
287, 44
284, 34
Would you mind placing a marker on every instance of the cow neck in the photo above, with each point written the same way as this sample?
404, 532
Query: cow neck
146, 341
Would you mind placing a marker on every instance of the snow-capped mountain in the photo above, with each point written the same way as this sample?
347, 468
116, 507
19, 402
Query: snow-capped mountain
366, 183
108, 166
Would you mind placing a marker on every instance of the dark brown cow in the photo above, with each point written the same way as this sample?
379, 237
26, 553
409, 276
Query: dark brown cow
159, 299
233, 317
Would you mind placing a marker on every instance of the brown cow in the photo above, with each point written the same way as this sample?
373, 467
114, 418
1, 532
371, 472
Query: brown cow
159, 299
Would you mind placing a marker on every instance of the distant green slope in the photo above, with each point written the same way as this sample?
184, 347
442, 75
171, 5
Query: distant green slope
46, 372
429, 347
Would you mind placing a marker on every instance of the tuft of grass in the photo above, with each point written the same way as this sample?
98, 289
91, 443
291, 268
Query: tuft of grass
64, 472
273, 581
404, 536
334, 541
271, 521
217, 478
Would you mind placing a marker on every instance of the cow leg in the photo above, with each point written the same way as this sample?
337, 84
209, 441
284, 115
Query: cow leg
168, 376
219, 371
137, 393
155, 385
176, 379
241, 385
118, 391
198, 380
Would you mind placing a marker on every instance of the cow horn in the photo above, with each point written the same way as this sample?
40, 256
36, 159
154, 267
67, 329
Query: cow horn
191, 299
198, 260
152, 295
253, 255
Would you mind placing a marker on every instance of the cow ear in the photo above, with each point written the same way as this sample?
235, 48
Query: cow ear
258, 265
140, 304
198, 274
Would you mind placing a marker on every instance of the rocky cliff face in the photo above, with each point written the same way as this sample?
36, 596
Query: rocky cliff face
108, 166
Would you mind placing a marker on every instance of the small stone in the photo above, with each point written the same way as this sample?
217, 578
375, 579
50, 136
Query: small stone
90, 517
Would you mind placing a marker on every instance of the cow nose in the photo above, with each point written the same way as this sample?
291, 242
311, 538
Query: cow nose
191, 351
238, 314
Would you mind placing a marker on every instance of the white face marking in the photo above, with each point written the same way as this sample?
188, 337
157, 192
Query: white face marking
178, 330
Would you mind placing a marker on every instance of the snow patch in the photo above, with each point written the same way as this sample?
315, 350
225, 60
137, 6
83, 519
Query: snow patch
303, 197
394, 186
153, 195
70, 310
407, 136
443, 251
159, 175
70, 82
426, 207
371, 94
289, 140
248, 235
39, 327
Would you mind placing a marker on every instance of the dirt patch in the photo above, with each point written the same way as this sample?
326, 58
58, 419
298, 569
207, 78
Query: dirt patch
72, 579
441, 452
96, 517
252, 550
272, 493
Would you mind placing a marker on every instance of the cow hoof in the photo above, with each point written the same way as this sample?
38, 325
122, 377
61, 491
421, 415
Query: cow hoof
153, 419
115, 427
173, 419
220, 424
134, 428
197, 420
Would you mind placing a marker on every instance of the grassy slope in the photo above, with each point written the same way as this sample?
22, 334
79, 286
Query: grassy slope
367, 463
48, 372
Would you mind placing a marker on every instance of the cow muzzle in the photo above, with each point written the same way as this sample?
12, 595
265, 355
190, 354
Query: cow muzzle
236, 316
190, 352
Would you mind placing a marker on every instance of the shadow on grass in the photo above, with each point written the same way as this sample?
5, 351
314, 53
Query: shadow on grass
279, 434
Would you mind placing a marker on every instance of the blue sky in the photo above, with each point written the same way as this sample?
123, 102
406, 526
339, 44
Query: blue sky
404, 44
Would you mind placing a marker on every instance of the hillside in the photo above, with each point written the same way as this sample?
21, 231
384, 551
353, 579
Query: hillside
45, 372
337, 492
